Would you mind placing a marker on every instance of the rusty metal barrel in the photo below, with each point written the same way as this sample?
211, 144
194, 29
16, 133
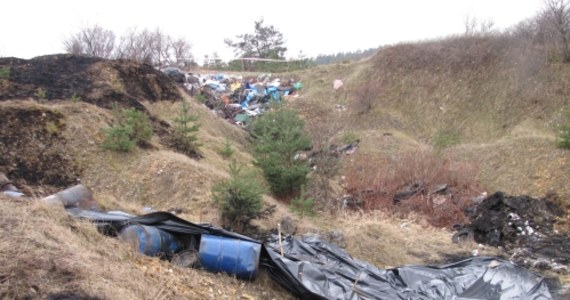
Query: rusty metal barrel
76, 196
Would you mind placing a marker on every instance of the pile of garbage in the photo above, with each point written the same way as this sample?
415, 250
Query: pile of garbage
234, 97
523, 226
308, 267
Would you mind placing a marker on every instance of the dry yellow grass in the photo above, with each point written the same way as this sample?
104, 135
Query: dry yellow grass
526, 164
46, 252
158, 178
387, 241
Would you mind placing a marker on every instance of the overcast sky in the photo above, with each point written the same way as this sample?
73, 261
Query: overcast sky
31, 28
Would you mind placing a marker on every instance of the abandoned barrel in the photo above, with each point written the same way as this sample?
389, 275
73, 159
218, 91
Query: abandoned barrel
150, 240
75, 196
232, 256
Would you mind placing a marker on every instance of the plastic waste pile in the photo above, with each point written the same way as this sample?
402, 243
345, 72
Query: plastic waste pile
234, 97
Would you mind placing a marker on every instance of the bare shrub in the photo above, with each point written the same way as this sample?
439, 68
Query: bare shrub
443, 187
154, 47
557, 13
326, 164
365, 96
181, 51
535, 30
135, 45
549, 28
474, 26
92, 41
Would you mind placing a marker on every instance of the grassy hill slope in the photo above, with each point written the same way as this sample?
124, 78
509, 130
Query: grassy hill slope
494, 101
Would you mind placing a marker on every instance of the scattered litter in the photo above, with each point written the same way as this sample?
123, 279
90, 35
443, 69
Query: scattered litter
439, 189
478, 199
8, 189
337, 84
340, 108
522, 225
175, 74
408, 191
310, 267
13, 194
348, 148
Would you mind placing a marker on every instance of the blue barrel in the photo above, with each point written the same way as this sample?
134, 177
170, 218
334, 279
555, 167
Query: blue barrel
151, 241
232, 256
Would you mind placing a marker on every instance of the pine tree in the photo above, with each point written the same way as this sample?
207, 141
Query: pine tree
185, 127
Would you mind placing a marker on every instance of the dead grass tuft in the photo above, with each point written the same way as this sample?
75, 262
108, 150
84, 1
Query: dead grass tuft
385, 241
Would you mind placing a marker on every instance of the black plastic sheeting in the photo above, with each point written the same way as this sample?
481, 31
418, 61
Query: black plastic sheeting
113, 223
327, 272
313, 269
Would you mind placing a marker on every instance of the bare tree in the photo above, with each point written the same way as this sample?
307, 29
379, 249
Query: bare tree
474, 26
161, 45
154, 47
91, 41
181, 51
527, 30
136, 45
557, 12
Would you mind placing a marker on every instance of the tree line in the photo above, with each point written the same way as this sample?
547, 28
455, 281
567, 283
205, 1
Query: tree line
150, 46
160, 49
340, 57
551, 27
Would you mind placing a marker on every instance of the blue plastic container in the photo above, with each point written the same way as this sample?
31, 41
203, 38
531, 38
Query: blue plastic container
232, 256
151, 241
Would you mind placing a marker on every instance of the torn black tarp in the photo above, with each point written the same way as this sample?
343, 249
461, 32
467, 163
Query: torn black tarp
115, 221
313, 269
319, 270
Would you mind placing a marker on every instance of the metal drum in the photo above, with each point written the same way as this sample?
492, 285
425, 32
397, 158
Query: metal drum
232, 256
76, 196
151, 241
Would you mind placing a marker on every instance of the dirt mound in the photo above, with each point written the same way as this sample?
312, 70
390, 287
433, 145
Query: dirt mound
523, 225
33, 149
94, 80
